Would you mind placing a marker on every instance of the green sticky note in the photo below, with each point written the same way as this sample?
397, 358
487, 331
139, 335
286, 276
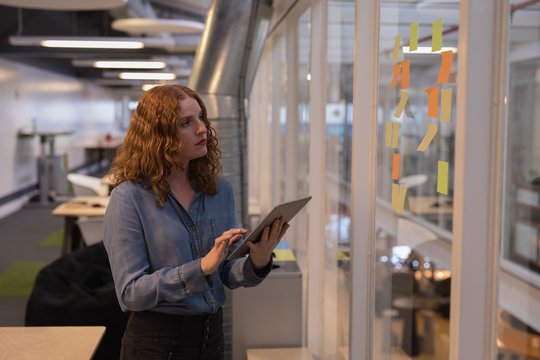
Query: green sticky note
442, 177
436, 35
413, 36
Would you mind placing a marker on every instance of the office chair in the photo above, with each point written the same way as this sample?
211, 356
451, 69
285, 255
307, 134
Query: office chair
87, 185
91, 230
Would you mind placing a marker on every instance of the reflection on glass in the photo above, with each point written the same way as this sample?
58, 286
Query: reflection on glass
415, 166
518, 328
338, 115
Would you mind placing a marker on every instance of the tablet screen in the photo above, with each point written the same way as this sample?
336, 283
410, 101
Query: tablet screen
286, 210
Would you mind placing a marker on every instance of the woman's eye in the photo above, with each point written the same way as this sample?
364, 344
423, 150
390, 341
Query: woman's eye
185, 124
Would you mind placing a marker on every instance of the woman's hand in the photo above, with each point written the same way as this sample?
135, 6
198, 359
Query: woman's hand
261, 251
211, 261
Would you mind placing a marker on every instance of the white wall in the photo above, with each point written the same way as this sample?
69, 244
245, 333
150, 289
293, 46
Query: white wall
52, 102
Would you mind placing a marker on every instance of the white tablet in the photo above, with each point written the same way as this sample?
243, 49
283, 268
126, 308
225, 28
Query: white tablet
286, 210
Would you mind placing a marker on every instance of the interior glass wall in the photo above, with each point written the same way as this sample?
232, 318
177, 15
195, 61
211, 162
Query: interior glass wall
415, 161
339, 56
518, 322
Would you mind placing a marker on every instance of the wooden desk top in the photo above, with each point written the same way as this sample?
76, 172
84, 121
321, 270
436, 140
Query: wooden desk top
83, 206
279, 353
430, 205
50, 342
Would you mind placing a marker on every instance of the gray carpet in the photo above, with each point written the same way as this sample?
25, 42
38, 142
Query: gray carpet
20, 236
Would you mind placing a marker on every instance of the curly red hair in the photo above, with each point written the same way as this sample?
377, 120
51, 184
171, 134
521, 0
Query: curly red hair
152, 143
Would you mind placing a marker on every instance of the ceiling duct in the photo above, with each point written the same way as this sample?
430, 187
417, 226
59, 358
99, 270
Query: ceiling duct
223, 71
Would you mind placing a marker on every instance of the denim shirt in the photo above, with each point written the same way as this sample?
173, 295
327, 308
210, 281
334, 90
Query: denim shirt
155, 252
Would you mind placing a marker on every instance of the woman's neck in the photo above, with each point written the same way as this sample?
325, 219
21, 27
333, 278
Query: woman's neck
181, 187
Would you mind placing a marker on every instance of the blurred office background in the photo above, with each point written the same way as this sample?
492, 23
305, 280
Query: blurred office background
300, 92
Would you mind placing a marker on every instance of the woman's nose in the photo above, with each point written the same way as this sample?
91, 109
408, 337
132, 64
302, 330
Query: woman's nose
201, 127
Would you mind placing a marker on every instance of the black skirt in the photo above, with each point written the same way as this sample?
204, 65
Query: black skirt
151, 335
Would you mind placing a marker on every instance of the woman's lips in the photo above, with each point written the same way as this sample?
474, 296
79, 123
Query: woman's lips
202, 142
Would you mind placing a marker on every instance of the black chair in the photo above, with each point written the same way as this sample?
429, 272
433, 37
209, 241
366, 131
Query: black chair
78, 290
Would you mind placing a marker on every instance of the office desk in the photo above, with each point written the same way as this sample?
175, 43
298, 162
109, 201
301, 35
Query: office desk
73, 209
50, 342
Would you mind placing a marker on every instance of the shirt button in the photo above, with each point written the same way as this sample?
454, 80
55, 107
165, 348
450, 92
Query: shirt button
193, 227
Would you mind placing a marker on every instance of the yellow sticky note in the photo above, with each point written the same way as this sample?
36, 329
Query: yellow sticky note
446, 104
430, 134
442, 177
284, 255
436, 35
403, 96
398, 197
392, 134
397, 44
413, 36
395, 134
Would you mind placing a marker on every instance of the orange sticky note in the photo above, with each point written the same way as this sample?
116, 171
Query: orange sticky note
442, 177
405, 64
403, 69
395, 166
447, 58
403, 96
433, 102
395, 75
397, 44
446, 104
430, 134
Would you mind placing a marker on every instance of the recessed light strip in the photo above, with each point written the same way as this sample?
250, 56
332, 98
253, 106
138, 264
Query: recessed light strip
146, 76
92, 44
110, 64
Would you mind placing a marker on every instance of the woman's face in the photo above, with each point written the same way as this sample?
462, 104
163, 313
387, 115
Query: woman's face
192, 130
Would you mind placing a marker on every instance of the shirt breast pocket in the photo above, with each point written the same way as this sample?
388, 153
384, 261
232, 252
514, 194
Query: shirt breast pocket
210, 230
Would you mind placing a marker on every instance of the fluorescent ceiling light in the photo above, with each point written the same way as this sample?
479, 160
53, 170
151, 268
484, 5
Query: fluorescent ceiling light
146, 76
111, 42
92, 44
427, 50
115, 64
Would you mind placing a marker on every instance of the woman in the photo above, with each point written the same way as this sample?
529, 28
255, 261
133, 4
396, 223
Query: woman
168, 228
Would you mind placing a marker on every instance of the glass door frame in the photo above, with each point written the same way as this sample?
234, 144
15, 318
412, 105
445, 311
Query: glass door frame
477, 183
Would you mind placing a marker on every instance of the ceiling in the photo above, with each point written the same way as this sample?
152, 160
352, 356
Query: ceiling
30, 22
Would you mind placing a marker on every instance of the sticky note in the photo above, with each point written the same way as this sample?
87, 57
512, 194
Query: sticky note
403, 69
398, 197
430, 134
403, 96
397, 44
447, 58
442, 177
405, 64
433, 102
413, 36
446, 104
395, 75
392, 134
395, 166
436, 35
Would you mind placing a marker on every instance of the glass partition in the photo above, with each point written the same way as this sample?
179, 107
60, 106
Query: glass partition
518, 324
415, 163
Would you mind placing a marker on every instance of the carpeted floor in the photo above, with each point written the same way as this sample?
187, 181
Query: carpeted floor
29, 240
